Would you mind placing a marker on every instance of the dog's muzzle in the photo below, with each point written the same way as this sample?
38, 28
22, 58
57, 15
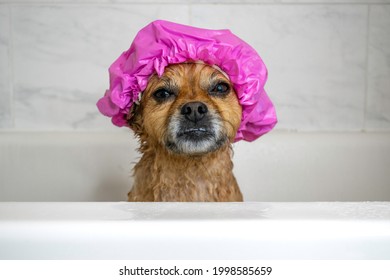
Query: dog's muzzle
194, 125
195, 130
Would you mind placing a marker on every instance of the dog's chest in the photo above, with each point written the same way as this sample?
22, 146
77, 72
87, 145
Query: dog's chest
191, 181
188, 185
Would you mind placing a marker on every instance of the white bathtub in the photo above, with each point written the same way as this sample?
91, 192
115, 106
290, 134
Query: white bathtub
146, 231
73, 169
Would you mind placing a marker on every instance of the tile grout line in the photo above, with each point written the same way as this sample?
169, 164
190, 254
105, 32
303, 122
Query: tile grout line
235, 3
366, 79
11, 66
190, 13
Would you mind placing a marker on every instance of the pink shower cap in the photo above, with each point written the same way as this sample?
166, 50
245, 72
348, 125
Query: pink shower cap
162, 43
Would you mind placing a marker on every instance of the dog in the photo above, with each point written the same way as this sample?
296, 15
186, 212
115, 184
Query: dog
186, 121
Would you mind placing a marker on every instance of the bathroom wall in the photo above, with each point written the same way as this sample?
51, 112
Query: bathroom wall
328, 62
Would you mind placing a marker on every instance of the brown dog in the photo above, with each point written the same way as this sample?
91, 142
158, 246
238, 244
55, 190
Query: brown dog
186, 122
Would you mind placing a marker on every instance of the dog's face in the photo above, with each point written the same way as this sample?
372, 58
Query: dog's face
192, 109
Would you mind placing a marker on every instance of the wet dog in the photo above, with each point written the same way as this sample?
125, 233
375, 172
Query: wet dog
186, 121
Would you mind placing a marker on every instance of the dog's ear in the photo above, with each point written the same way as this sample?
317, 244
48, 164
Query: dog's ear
134, 118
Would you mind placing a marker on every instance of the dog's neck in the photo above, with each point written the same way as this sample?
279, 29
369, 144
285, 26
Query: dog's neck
162, 175
164, 157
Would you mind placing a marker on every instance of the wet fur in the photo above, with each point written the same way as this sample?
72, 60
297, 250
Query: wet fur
173, 169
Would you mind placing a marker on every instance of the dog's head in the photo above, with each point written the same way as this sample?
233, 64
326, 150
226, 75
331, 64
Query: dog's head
191, 109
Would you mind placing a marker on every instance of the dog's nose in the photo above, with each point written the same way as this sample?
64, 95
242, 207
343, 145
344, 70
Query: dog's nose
194, 111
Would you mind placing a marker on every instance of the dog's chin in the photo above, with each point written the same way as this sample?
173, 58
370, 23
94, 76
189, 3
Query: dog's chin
195, 142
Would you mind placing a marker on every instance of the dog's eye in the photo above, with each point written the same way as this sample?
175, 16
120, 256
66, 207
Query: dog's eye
220, 89
162, 94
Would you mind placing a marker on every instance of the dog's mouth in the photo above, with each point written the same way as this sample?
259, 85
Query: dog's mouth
194, 132
194, 139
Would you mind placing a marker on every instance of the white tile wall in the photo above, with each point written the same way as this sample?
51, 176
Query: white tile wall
378, 98
279, 167
61, 58
315, 56
328, 63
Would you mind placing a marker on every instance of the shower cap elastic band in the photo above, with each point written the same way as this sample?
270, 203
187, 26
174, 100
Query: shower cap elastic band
162, 43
